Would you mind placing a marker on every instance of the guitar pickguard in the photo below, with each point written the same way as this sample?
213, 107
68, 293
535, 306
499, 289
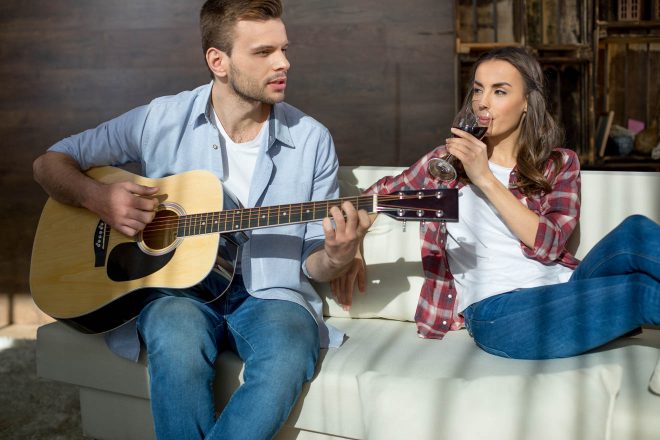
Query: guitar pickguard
128, 262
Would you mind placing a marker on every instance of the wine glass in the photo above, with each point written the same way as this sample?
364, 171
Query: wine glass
442, 168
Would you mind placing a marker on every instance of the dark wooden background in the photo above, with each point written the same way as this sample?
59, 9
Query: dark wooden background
378, 73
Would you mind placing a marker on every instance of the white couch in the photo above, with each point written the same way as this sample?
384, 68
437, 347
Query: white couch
387, 383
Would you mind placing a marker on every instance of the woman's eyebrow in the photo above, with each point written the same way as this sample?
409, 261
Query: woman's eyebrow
499, 84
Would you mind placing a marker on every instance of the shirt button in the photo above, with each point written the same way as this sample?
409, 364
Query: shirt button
444, 322
449, 296
215, 146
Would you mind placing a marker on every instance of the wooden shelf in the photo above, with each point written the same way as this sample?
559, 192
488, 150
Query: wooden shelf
636, 24
628, 163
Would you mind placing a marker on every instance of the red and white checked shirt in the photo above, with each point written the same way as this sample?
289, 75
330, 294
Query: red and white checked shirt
559, 212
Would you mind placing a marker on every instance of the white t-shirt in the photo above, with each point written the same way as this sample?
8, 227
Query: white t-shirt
485, 256
241, 159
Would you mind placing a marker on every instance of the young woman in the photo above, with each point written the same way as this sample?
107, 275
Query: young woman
503, 270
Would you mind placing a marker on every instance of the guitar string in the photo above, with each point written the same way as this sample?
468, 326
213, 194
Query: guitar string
196, 221
295, 209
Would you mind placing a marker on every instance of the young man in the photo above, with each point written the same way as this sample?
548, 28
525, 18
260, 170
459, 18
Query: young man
266, 153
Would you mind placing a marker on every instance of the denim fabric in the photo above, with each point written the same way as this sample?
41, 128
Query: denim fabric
277, 340
614, 290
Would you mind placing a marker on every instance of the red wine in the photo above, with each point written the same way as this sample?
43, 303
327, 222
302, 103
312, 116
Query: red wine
477, 131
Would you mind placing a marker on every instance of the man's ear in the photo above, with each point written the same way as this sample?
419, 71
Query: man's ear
217, 61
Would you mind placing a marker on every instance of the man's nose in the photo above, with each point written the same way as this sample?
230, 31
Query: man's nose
282, 62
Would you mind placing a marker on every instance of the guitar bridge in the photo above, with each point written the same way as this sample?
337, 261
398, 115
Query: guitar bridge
101, 234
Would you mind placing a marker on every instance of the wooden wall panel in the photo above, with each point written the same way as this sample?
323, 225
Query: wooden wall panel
379, 74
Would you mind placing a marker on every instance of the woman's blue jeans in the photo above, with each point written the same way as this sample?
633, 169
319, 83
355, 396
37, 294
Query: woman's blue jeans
277, 340
614, 290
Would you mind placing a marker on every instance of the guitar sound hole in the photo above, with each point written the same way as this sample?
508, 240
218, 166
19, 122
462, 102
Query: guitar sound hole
161, 232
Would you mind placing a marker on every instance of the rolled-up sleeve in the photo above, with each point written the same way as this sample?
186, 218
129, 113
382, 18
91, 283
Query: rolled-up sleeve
559, 212
325, 187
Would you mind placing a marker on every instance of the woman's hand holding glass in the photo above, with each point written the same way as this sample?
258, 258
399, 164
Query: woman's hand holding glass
467, 125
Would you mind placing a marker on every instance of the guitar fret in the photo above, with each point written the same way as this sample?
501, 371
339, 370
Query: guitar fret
206, 223
285, 215
365, 203
200, 224
246, 223
234, 224
225, 218
307, 211
213, 222
320, 211
195, 224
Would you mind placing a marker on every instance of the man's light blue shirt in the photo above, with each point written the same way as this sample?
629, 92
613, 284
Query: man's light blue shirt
298, 163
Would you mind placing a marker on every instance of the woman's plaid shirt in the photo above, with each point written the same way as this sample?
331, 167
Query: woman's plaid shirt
559, 212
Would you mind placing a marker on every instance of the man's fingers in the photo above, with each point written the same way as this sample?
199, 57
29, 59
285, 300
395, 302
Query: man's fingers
141, 190
351, 216
338, 217
362, 279
144, 217
328, 229
365, 222
146, 204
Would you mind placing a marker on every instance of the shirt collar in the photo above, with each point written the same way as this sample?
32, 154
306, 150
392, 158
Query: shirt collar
202, 110
278, 127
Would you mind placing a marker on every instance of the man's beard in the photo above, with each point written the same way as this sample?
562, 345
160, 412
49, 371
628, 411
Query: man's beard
249, 89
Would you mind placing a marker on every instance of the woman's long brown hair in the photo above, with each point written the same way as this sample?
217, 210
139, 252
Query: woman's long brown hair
539, 133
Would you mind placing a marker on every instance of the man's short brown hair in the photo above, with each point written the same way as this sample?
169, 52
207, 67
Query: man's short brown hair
219, 17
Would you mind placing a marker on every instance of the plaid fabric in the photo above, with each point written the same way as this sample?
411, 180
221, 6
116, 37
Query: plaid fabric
558, 210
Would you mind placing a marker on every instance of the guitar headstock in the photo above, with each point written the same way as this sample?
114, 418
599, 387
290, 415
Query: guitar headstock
425, 205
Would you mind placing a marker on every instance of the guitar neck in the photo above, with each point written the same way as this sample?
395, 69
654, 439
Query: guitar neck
234, 220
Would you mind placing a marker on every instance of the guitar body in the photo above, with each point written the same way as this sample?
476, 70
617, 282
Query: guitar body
81, 268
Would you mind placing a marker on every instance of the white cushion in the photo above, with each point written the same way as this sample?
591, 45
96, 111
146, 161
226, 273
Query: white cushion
569, 405
331, 402
654, 384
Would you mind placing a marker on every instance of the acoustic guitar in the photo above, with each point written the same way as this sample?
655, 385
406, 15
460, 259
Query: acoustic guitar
94, 279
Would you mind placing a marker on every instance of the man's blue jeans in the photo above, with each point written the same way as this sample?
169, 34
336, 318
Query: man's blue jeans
277, 340
614, 290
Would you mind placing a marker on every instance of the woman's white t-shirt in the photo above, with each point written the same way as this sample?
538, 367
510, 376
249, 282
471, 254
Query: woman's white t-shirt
485, 257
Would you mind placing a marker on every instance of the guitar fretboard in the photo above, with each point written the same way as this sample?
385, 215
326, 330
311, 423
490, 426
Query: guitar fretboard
252, 218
